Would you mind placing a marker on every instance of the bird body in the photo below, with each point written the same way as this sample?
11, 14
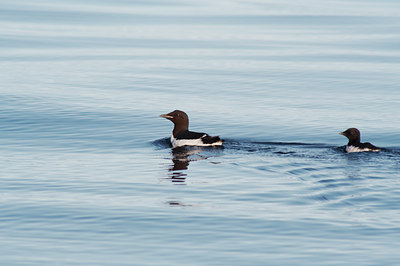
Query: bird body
181, 136
355, 144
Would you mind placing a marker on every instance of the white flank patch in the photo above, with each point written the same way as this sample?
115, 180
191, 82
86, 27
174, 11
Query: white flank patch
191, 142
357, 149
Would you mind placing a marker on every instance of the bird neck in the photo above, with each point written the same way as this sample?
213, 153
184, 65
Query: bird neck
354, 142
178, 127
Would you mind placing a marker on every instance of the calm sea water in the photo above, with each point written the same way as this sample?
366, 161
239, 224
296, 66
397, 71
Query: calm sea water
87, 174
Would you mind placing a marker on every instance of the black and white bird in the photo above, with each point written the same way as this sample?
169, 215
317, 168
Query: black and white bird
354, 145
181, 136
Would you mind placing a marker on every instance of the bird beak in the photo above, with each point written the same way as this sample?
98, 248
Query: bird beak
341, 133
167, 116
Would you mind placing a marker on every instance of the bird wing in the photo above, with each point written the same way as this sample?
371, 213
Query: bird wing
186, 134
368, 145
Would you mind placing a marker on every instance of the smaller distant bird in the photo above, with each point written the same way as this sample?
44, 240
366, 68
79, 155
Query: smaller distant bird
181, 136
354, 145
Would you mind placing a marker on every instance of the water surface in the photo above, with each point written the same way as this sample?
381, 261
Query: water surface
88, 175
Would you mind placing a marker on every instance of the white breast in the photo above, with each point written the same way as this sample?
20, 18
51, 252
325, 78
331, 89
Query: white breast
357, 149
191, 142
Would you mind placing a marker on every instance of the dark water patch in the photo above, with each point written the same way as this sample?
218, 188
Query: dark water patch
315, 145
164, 143
284, 153
292, 149
176, 203
262, 148
278, 148
391, 151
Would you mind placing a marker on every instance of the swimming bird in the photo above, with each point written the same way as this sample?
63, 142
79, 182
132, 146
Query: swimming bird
181, 136
354, 145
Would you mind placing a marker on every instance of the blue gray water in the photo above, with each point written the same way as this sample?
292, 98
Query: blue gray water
87, 174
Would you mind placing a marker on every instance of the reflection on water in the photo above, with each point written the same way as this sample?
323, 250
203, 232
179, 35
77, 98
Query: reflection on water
180, 163
175, 203
182, 156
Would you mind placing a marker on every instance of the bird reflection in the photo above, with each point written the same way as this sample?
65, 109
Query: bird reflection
181, 157
180, 162
176, 203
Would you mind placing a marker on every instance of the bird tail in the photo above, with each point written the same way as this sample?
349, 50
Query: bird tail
210, 140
